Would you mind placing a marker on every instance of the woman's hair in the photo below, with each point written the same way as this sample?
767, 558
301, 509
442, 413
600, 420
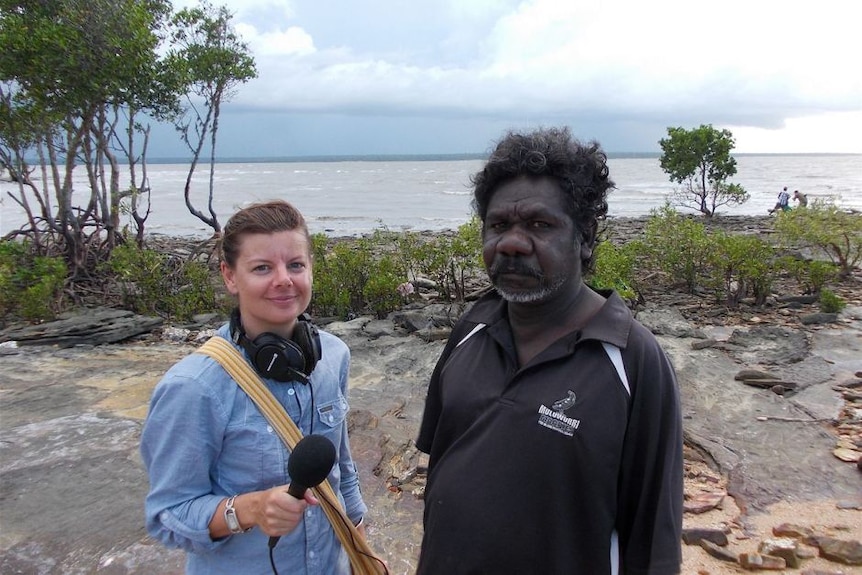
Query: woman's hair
581, 171
262, 218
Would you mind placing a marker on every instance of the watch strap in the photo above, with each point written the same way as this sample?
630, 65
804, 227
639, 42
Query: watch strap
231, 518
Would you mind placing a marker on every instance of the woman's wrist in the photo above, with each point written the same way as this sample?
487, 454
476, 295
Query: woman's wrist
236, 514
234, 517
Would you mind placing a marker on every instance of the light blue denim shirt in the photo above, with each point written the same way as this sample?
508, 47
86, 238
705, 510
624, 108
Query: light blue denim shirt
204, 439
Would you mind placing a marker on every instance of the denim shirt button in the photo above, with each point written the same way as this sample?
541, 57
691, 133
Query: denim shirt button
269, 429
290, 392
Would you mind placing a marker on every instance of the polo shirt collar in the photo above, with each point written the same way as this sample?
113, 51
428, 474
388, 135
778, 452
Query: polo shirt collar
611, 324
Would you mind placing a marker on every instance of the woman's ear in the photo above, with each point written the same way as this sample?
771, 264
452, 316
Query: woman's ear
229, 278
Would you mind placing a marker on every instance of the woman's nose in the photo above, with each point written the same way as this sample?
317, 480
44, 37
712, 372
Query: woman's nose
282, 276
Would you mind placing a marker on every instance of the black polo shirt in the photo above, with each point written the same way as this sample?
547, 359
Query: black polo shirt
560, 466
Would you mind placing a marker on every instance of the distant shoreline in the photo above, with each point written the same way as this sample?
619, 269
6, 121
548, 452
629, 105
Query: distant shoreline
619, 229
466, 156
434, 157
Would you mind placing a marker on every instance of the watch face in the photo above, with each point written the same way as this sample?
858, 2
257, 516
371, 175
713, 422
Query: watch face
230, 517
232, 523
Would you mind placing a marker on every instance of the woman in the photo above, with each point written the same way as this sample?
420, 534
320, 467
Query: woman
217, 469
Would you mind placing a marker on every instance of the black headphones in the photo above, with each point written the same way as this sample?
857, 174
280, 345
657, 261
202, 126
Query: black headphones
275, 357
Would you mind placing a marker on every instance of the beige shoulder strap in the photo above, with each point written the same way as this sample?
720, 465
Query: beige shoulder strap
362, 558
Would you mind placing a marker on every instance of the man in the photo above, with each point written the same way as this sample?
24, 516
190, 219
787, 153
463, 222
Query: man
552, 419
801, 198
783, 202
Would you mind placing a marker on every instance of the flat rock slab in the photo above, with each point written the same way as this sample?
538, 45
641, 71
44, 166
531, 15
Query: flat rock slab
97, 326
78, 497
772, 448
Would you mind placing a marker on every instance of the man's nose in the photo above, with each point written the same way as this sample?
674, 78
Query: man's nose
515, 241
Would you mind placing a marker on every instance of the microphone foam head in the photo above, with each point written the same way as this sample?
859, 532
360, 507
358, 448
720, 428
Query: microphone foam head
311, 460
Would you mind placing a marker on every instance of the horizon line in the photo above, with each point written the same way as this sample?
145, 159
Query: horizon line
313, 158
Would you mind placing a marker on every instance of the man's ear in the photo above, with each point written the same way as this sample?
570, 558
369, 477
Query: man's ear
588, 236
586, 251
588, 241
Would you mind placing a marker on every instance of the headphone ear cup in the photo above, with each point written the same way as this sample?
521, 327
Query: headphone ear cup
277, 358
307, 338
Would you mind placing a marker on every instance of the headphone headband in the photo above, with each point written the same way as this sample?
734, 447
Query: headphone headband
278, 358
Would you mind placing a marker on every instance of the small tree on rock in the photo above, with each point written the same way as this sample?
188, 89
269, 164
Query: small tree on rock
211, 58
700, 160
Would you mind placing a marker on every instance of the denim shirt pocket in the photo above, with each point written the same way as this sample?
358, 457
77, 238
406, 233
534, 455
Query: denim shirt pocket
252, 454
332, 413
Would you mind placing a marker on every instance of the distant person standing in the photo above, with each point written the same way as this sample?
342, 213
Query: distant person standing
801, 198
783, 202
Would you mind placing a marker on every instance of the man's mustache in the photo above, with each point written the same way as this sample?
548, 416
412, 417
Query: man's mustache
508, 265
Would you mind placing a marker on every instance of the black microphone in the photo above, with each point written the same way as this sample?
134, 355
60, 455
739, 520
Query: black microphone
310, 462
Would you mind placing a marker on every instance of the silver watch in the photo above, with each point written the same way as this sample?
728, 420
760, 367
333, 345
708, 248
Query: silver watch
230, 517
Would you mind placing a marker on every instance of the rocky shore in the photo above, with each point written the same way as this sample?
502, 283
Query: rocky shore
772, 407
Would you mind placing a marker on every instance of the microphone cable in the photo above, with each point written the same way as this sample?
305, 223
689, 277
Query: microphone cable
334, 505
299, 404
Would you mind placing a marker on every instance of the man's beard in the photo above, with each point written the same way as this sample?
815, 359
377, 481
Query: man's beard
546, 285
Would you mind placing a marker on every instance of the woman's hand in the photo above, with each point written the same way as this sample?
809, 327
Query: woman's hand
273, 511
281, 512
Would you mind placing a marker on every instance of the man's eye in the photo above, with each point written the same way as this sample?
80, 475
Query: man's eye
539, 224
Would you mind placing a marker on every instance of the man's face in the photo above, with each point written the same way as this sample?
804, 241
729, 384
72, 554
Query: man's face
529, 244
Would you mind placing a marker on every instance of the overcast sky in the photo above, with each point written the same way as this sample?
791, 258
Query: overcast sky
450, 76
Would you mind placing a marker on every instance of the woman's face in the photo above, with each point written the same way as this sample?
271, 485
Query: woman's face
271, 280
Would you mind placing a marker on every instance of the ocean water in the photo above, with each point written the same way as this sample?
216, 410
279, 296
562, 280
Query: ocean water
353, 197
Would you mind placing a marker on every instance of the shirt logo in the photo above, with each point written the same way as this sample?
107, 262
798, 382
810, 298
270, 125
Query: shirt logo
555, 417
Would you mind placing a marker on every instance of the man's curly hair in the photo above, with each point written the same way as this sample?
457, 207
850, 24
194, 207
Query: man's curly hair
581, 170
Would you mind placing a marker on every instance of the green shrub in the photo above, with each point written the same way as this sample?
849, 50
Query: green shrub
194, 291
11, 254
614, 268
811, 275
381, 290
678, 245
830, 302
31, 286
358, 275
741, 265
153, 283
408, 248
340, 278
448, 260
355, 276
824, 227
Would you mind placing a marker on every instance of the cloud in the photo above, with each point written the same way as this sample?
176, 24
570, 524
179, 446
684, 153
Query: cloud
294, 41
751, 64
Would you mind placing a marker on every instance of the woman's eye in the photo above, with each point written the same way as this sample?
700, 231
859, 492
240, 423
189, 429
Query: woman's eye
297, 265
261, 268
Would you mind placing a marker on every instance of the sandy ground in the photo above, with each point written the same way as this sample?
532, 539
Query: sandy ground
745, 531
746, 534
